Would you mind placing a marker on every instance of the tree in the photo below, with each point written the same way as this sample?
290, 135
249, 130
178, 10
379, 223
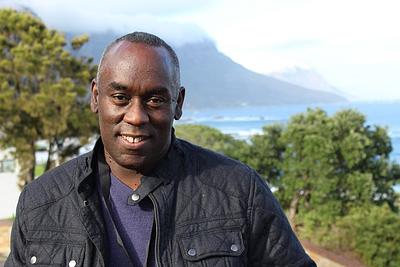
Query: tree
265, 153
213, 139
43, 92
374, 233
324, 166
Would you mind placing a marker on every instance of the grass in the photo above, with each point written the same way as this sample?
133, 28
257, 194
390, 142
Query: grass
39, 169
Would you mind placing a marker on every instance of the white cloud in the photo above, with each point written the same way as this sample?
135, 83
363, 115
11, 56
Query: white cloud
121, 7
120, 16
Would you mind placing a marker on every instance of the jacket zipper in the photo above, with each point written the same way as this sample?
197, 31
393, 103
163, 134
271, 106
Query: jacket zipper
157, 220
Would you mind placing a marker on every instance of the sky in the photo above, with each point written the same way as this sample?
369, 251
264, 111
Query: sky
353, 44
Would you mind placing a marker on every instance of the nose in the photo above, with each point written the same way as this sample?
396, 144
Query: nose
136, 113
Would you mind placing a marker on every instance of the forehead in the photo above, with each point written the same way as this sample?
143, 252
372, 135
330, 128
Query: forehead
132, 62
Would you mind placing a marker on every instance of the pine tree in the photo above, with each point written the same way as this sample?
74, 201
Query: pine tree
43, 92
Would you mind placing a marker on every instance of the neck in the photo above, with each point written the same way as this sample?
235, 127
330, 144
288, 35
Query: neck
130, 177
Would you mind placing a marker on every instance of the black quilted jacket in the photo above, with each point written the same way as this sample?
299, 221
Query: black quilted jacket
209, 210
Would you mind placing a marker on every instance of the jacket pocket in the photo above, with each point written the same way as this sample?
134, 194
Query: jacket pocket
213, 248
48, 248
47, 253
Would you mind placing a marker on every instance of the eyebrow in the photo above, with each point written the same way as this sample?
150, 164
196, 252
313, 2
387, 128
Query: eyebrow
118, 86
156, 90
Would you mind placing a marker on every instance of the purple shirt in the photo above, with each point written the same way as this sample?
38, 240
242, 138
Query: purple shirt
133, 220
130, 213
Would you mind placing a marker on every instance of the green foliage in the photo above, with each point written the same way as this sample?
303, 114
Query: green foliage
335, 179
43, 91
78, 41
373, 232
265, 153
212, 139
321, 161
39, 169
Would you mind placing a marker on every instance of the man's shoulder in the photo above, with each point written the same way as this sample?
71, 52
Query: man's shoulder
55, 183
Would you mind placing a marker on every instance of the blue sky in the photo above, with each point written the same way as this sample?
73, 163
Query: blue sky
353, 44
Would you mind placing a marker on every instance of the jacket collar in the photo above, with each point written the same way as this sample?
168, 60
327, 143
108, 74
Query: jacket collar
169, 166
166, 169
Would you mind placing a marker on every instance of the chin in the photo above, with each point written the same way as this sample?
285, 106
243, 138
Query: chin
136, 163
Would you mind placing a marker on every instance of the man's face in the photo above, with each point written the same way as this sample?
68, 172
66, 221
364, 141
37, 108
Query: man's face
136, 99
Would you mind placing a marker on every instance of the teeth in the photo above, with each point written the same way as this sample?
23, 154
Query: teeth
130, 139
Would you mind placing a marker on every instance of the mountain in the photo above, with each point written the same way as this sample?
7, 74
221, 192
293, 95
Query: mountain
307, 78
304, 77
212, 79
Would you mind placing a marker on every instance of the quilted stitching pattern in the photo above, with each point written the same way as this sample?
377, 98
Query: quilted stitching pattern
220, 196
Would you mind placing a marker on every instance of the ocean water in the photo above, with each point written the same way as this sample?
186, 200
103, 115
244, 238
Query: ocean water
242, 122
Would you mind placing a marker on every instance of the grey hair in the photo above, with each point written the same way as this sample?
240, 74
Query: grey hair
148, 39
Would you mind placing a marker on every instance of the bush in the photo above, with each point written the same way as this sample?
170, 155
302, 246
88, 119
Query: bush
374, 233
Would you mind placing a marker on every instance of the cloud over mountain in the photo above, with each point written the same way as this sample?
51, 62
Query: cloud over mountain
123, 17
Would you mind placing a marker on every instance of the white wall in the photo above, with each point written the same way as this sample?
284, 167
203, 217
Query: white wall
9, 193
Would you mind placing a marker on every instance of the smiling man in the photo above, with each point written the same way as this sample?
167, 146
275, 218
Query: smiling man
143, 197
137, 96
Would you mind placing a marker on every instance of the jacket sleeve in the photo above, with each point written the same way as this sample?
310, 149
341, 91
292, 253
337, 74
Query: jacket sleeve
18, 244
271, 240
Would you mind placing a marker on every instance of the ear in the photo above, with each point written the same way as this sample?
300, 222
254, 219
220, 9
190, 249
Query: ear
94, 99
179, 103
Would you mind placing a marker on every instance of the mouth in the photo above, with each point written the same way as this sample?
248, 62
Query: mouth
134, 139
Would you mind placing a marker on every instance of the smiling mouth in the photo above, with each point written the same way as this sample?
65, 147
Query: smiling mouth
134, 139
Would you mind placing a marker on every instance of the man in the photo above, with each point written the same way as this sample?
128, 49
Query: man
143, 197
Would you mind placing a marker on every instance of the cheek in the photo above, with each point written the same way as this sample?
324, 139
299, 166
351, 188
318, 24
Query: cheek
162, 120
109, 114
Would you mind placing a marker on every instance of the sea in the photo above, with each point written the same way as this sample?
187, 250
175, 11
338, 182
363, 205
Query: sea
244, 121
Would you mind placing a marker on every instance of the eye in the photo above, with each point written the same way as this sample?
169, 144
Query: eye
156, 101
120, 99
